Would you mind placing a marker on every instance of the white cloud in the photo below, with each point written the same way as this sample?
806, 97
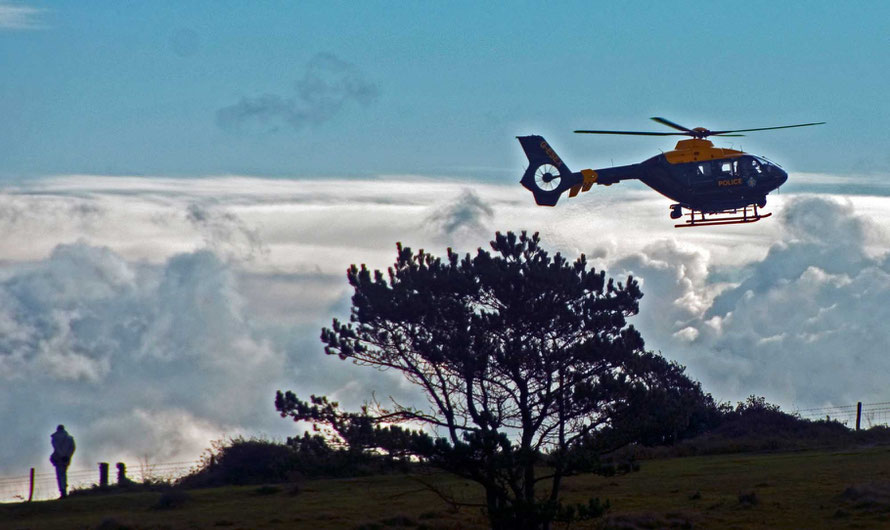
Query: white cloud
327, 85
804, 325
18, 16
163, 435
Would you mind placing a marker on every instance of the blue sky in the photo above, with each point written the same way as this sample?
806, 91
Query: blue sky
135, 87
323, 133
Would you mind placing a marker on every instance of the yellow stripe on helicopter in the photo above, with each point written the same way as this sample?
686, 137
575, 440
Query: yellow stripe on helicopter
590, 177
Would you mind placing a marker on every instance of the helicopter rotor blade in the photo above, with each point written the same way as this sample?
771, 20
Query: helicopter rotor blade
767, 128
695, 133
671, 124
633, 133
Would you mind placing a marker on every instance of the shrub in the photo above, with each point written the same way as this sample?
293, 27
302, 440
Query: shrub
243, 461
755, 425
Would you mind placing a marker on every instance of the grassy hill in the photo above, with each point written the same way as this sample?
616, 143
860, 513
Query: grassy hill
806, 489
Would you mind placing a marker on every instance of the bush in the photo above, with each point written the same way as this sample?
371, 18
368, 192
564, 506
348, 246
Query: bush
243, 461
755, 425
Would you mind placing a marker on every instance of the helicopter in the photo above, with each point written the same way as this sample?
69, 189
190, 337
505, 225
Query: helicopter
712, 185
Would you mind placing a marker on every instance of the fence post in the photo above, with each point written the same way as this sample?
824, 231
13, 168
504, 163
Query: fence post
858, 414
31, 489
122, 474
103, 474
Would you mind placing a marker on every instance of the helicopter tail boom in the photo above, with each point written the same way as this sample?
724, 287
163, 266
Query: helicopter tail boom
547, 176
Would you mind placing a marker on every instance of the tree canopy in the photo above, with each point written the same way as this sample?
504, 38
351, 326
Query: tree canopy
526, 360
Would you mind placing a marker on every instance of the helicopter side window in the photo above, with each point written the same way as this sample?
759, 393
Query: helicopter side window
704, 170
726, 167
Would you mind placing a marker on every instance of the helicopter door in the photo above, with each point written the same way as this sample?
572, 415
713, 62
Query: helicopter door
704, 174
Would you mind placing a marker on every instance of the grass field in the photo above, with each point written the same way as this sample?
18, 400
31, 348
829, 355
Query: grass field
812, 489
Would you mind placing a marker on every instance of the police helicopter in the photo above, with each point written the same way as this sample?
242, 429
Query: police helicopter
713, 185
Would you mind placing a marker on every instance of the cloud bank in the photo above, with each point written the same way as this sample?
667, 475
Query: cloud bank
152, 315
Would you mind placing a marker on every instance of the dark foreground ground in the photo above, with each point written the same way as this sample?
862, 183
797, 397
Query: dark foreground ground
808, 489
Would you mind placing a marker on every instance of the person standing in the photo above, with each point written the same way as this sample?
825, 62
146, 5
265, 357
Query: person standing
63, 449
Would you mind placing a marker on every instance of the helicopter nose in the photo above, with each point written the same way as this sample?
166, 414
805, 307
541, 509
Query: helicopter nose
777, 174
780, 175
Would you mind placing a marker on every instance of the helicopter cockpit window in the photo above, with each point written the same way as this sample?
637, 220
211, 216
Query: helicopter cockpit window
748, 165
765, 165
755, 165
726, 168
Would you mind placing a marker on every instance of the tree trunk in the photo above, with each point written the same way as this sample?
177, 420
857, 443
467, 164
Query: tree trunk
520, 515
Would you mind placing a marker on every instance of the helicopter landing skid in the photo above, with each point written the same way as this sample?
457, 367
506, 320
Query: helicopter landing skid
735, 216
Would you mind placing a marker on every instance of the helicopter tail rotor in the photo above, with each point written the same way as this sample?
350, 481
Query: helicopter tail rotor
547, 176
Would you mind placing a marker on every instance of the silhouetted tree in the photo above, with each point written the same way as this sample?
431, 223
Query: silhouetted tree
526, 360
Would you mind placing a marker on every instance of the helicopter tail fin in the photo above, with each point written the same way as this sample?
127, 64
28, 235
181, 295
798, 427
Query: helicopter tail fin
547, 176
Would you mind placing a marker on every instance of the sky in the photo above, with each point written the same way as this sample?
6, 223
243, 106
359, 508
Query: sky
183, 185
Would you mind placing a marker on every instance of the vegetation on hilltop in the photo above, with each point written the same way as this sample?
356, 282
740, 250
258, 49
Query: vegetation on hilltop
800, 489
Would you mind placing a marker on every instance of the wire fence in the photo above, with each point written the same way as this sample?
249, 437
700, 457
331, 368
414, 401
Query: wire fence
18, 488
872, 414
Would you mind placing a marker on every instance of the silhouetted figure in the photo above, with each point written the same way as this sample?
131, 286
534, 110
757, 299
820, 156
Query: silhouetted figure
63, 448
